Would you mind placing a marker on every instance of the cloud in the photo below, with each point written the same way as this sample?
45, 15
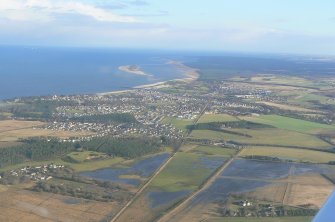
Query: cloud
45, 10
157, 14
138, 3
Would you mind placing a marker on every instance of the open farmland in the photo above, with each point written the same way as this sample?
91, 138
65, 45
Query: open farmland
290, 154
289, 107
15, 135
183, 175
291, 124
21, 205
213, 150
178, 123
281, 183
208, 118
265, 137
9, 125
268, 219
186, 171
13, 130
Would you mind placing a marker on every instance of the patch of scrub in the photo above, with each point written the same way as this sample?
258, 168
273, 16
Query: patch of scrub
162, 198
143, 168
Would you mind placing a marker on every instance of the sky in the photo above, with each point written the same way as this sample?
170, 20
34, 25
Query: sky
273, 26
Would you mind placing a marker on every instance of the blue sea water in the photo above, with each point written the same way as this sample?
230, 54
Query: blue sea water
27, 71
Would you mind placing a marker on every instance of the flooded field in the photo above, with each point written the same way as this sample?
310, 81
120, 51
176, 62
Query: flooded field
257, 169
161, 198
281, 182
130, 175
182, 176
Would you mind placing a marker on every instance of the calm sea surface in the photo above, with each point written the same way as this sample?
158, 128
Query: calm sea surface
48, 71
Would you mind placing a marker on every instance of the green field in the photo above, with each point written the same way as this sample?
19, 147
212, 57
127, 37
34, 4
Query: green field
79, 167
306, 99
185, 171
79, 157
264, 136
214, 150
208, 118
178, 123
292, 124
264, 219
291, 154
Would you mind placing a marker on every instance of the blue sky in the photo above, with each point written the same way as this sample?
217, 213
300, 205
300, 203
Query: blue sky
284, 26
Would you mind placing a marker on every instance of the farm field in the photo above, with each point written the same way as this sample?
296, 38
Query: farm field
282, 183
183, 175
213, 150
291, 124
290, 154
289, 107
186, 171
13, 130
132, 173
178, 123
78, 167
15, 135
8, 125
208, 118
264, 136
288, 80
21, 205
267, 219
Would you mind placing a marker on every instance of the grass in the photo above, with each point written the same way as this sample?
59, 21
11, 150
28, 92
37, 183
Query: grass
79, 167
289, 80
84, 156
292, 124
178, 123
292, 154
289, 107
305, 99
15, 135
264, 136
185, 171
207, 118
3, 188
264, 219
214, 150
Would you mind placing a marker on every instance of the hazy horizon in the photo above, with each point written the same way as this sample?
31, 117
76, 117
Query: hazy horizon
299, 27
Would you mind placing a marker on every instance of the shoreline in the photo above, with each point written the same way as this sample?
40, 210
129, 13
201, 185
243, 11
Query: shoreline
133, 69
191, 75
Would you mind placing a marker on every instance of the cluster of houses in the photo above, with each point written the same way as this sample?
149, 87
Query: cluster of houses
37, 173
149, 107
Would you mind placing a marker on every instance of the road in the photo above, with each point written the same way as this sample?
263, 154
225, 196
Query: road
139, 192
209, 182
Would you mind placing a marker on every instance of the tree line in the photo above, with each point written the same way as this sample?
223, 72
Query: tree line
39, 149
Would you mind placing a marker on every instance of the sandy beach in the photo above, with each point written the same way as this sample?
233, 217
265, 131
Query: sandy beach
190, 73
133, 69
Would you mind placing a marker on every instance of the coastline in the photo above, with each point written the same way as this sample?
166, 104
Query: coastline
133, 69
191, 75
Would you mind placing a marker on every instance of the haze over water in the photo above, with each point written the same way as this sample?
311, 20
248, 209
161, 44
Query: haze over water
48, 71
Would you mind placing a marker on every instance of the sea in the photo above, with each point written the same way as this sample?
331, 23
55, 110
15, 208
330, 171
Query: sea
43, 71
